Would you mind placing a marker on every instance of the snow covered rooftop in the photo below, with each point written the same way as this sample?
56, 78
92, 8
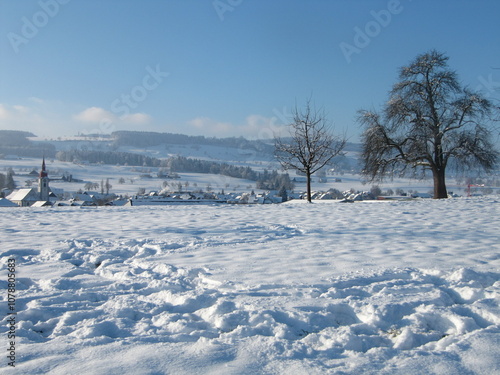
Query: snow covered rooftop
7, 203
23, 194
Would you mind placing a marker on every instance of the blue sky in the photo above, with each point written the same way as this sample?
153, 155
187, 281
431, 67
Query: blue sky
225, 67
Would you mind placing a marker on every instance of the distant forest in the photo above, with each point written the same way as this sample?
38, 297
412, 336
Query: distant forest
14, 142
107, 157
265, 180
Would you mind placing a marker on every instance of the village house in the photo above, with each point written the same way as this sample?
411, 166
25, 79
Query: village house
24, 197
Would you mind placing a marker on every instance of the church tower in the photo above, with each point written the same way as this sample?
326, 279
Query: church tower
43, 183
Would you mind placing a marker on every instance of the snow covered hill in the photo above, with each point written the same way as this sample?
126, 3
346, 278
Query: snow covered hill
400, 287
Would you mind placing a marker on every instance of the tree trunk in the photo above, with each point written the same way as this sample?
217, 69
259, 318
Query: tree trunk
308, 175
440, 191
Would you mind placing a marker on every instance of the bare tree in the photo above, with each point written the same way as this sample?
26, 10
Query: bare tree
428, 123
108, 186
310, 146
91, 186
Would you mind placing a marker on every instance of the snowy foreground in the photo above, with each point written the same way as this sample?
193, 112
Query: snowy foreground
365, 288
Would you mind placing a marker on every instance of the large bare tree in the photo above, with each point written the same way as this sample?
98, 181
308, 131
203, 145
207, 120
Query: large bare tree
311, 144
428, 122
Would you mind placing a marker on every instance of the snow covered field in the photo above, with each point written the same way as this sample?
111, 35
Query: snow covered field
400, 287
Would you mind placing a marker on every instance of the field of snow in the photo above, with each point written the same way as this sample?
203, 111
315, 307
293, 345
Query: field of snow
400, 287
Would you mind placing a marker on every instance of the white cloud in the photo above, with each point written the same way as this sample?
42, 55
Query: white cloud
254, 126
14, 113
42, 118
21, 108
136, 118
211, 127
36, 100
95, 115
54, 118
262, 127
4, 113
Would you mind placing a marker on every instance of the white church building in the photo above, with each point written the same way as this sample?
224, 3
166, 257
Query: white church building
39, 196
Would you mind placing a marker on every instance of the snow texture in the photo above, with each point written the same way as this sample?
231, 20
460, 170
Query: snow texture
408, 287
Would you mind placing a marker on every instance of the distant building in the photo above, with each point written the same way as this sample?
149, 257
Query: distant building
7, 203
43, 184
42, 204
29, 196
24, 197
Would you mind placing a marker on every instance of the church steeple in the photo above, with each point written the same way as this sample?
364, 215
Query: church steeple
43, 172
43, 183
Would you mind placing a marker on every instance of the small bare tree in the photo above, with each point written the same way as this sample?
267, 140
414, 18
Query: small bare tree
311, 145
108, 186
91, 186
428, 123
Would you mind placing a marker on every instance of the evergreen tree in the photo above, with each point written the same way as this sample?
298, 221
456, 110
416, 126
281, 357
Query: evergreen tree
9, 183
283, 193
108, 186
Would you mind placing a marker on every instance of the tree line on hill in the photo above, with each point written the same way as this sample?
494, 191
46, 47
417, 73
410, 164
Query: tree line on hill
107, 157
264, 180
15, 142
184, 164
151, 139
